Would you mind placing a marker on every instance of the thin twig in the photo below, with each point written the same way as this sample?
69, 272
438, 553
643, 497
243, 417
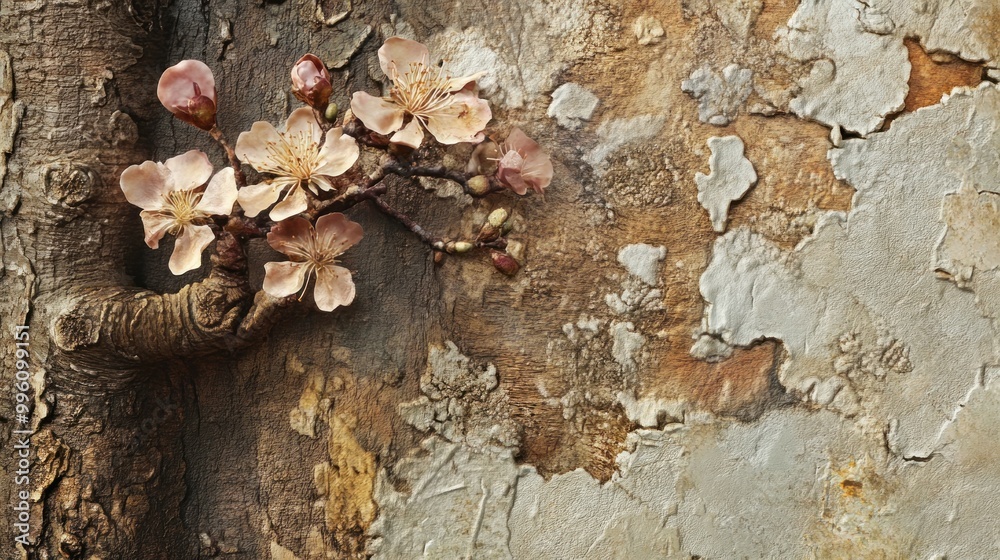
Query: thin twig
356, 130
435, 242
441, 172
234, 162
352, 196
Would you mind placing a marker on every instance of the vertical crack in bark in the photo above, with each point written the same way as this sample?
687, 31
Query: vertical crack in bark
10, 120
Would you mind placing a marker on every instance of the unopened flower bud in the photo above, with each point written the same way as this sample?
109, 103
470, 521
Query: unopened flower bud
488, 233
462, 247
311, 82
438, 258
497, 217
331, 112
504, 263
479, 185
187, 90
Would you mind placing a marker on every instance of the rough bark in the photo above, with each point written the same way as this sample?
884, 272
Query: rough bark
112, 343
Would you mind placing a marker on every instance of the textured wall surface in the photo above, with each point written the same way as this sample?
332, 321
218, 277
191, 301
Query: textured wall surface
792, 218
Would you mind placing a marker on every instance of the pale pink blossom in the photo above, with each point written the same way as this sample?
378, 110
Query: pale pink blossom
173, 202
523, 164
313, 253
296, 161
433, 100
311, 82
187, 90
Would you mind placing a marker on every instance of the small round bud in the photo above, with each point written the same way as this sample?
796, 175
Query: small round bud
479, 185
504, 263
462, 247
508, 226
330, 114
497, 217
438, 258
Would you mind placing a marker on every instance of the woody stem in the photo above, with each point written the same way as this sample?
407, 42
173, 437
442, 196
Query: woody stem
441, 172
435, 242
241, 180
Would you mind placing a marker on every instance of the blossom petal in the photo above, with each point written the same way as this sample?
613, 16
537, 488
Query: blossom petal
189, 170
255, 198
334, 288
379, 115
337, 233
155, 226
536, 169
338, 154
460, 83
252, 146
411, 135
176, 85
462, 121
188, 248
518, 141
220, 194
537, 172
321, 181
295, 202
145, 184
397, 54
289, 236
511, 176
282, 279
302, 121
307, 71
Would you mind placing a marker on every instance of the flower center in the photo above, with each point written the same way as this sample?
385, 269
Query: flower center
181, 205
312, 253
422, 90
294, 155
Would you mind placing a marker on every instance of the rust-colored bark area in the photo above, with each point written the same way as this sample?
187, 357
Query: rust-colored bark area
932, 76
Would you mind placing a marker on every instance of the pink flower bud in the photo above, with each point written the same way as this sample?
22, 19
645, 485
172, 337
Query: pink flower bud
187, 90
504, 262
311, 82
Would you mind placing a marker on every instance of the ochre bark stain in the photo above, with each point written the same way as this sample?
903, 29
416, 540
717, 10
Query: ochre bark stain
930, 78
347, 483
775, 15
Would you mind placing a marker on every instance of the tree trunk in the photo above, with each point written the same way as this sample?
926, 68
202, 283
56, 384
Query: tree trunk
747, 378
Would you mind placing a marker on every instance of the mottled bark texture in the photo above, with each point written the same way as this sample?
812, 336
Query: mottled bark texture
144, 440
